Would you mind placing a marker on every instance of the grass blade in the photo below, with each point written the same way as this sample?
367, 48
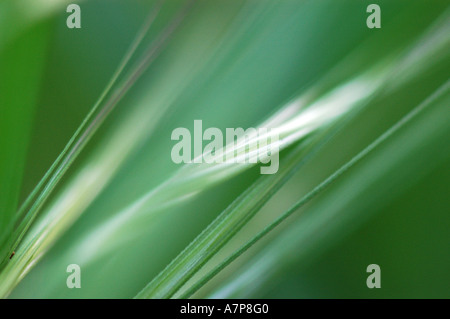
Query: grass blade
441, 92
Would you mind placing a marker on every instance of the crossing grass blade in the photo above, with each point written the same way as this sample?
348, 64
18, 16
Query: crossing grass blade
125, 208
438, 96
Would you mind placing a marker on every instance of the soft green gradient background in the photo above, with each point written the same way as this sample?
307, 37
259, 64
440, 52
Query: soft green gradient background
392, 209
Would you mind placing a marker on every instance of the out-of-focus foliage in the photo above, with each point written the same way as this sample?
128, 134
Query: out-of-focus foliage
123, 210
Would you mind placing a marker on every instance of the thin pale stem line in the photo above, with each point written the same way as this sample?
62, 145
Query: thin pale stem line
318, 189
58, 168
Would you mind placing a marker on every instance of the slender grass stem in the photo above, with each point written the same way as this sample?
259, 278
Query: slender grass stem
317, 190
79, 139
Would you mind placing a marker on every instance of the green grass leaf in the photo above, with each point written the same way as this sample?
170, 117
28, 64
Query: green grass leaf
440, 96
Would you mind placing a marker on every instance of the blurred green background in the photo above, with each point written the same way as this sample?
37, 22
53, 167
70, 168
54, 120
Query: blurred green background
232, 63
